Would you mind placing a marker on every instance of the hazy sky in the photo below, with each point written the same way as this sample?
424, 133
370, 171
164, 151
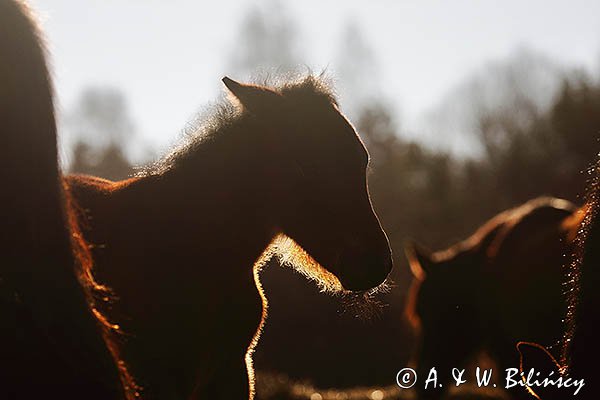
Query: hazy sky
169, 56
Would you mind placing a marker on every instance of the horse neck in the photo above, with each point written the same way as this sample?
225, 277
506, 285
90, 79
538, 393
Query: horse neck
584, 346
37, 248
227, 182
29, 128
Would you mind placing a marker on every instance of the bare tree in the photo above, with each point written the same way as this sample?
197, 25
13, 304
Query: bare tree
356, 70
102, 132
522, 86
267, 41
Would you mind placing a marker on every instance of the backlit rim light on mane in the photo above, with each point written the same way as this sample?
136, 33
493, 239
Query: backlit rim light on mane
206, 124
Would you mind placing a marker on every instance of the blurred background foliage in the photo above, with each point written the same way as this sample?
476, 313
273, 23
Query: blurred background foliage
535, 127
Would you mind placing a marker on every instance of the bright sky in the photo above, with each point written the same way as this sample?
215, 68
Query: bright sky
168, 56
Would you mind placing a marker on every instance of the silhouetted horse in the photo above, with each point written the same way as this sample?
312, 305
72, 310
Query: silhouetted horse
51, 344
580, 350
500, 286
275, 171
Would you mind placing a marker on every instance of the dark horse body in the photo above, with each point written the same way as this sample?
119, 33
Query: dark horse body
581, 349
51, 344
178, 244
501, 286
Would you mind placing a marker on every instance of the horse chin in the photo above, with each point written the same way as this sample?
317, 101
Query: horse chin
359, 303
290, 253
363, 286
364, 273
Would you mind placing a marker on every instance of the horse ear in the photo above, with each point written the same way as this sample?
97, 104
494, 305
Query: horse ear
419, 259
535, 356
252, 97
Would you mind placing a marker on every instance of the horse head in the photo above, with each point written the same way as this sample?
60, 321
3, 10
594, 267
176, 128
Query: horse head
319, 167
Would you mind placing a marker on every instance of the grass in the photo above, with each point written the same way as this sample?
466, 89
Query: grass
271, 386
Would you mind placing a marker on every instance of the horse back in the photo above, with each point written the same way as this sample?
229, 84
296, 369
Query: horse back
533, 234
525, 272
96, 198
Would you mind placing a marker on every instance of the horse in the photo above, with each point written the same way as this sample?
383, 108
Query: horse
275, 170
580, 351
500, 286
52, 342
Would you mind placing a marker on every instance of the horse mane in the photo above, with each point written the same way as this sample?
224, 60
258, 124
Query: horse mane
95, 292
210, 127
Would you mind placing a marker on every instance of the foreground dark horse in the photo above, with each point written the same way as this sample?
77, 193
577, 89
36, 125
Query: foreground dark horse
500, 286
581, 349
51, 344
178, 244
